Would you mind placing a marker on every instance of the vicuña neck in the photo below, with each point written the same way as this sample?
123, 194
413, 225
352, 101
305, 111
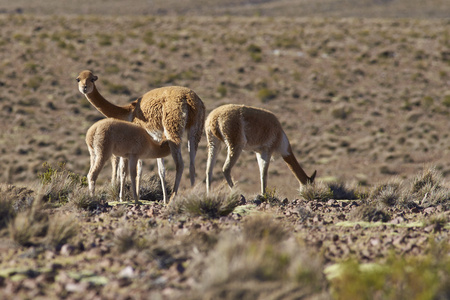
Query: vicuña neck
295, 167
107, 108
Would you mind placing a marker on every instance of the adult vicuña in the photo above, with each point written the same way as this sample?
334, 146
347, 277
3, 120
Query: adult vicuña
109, 137
243, 127
163, 112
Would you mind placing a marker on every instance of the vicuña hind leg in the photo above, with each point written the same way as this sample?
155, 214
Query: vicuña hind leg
232, 157
175, 150
263, 163
162, 175
192, 146
214, 146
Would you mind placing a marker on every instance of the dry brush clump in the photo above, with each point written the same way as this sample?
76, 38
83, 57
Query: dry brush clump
405, 277
426, 189
197, 203
263, 261
324, 191
37, 227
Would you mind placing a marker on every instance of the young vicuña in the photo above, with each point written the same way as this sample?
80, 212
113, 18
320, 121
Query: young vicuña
241, 128
109, 137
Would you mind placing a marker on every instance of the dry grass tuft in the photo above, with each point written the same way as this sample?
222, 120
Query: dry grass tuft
198, 204
259, 227
369, 212
61, 230
124, 240
319, 191
241, 268
80, 199
58, 183
29, 225
429, 190
151, 189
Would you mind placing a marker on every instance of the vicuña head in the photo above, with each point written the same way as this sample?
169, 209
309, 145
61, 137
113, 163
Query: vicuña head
86, 82
241, 128
167, 111
109, 137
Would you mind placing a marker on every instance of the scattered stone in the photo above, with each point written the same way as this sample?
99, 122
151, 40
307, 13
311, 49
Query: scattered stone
127, 272
67, 250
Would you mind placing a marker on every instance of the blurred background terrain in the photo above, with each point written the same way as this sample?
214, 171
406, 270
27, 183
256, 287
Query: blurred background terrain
362, 88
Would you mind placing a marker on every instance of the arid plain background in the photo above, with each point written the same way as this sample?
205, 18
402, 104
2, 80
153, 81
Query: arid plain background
362, 89
361, 99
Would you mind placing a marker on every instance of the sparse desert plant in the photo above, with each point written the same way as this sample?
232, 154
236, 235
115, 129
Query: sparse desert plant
369, 212
429, 190
151, 189
437, 221
215, 205
319, 191
266, 94
446, 101
29, 225
61, 229
118, 211
341, 112
13, 200
269, 196
7, 212
238, 268
342, 191
262, 226
386, 193
222, 90
81, 199
426, 181
255, 52
304, 213
58, 183
124, 239
436, 196
404, 277
388, 196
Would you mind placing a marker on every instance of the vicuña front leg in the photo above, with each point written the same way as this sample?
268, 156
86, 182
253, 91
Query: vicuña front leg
132, 163
123, 169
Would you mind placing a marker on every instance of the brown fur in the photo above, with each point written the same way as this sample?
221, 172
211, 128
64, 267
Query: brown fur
109, 137
241, 128
164, 112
